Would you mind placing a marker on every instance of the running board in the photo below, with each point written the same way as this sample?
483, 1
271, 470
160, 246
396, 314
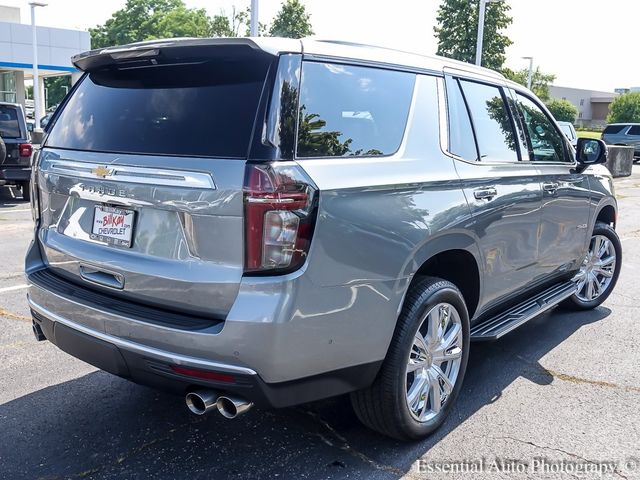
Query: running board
495, 327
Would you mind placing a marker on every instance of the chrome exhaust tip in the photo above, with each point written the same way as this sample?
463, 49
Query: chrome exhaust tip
231, 407
201, 401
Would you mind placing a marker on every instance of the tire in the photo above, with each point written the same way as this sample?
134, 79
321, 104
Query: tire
384, 406
581, 299
25, 188
3, 150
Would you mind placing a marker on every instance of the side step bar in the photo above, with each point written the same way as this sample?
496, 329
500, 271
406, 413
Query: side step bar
501, 324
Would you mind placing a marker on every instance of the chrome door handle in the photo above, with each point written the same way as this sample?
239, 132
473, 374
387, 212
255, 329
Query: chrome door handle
485, 193
550, 187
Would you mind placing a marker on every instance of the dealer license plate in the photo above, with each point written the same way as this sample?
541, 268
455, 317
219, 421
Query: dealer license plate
113, 225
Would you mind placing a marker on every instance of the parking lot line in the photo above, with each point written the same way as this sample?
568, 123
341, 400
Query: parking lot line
14, 287
14, 211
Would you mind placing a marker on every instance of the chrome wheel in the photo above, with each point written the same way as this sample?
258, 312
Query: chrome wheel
597, 269
434, 361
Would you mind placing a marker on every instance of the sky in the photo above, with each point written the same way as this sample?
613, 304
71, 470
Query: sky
585, 43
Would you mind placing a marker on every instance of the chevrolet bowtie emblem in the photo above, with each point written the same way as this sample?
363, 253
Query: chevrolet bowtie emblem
101, 172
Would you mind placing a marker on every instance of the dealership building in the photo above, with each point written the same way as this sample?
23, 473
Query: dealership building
56, 46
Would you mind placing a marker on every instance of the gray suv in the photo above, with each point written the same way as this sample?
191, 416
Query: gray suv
623, 134
270, 222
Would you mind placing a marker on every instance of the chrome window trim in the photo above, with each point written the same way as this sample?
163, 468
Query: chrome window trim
127, 174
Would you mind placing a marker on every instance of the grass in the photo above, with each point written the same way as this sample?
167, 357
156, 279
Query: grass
589, 134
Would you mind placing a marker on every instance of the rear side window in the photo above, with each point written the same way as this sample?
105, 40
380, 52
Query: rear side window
635, 130
204, 109
491, 121
461, 140
352, 111
613, 129
9, 125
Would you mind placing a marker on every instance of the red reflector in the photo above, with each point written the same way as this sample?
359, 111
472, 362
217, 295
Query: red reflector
25, 149
205, 374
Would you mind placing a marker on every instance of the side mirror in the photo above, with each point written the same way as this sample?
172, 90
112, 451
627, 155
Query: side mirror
590, 151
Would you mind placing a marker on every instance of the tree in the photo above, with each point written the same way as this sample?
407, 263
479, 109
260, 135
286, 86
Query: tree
57, 88
149, 19
625, 108
540, 81
457, 31
292, 21
563, 110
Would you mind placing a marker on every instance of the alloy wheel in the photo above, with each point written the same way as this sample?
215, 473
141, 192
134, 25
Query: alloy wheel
434, 361
597, 269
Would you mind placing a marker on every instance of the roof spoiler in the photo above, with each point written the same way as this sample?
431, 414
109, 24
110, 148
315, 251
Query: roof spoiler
178, 50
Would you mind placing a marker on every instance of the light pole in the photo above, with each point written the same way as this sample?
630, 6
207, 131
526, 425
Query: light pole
254, 18
530, 76
482, 7
36, 81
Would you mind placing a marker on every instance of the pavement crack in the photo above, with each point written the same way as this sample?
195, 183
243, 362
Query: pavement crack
554, 449
587, 381
13, 316
344, 445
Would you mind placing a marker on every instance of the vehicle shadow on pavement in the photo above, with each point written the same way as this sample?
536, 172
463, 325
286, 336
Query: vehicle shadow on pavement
100, 426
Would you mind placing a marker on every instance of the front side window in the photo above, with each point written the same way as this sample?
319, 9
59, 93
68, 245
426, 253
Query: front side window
491, 121
352, 111
613, 129
545, 142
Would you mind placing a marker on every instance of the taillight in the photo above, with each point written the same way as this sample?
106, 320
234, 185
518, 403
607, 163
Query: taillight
280, 208
25, 149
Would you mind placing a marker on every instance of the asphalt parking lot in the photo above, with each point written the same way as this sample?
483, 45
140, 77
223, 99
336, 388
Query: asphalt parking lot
562, 390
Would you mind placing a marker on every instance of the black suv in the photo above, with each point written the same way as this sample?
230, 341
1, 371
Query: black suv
15, 148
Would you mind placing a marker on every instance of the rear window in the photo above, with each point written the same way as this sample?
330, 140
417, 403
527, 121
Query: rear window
205, 109
635, 130
613, 129
352, 111
9, 125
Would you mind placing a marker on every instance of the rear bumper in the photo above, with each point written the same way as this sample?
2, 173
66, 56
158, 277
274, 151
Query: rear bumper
10, 175
152, 367
273, 362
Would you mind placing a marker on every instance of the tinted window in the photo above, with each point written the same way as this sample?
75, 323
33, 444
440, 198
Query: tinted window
613, 129
350, 111
635, 130
492, 123
202, 110
461, 141
546, 143
9, 126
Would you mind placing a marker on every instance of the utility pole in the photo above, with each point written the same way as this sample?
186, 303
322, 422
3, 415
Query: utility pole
530, 76
36, 80
254, 18
482, 8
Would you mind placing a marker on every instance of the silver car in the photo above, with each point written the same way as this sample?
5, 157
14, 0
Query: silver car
271, 221
623, 134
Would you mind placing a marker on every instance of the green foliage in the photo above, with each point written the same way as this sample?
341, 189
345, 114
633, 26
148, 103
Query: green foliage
150, 19
563, 110
57, 88
292, 21
540, 81
625, 108
457, 31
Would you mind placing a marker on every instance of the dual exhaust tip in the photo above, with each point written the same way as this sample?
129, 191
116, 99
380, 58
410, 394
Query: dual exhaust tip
203, 401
